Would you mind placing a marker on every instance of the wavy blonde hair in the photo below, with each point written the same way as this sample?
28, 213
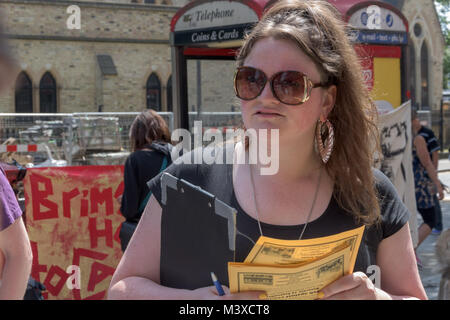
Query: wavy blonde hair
317, 28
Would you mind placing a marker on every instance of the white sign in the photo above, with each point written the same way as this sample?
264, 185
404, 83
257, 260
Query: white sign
216, 14
377, 18
396, 145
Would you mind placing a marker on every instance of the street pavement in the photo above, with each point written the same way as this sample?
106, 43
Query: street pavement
431, 271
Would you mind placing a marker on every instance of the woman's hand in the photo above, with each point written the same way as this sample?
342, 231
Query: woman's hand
440, 191
210, 293
356, 286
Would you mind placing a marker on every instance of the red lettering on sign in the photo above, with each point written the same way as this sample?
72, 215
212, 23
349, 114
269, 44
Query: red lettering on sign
99, 272
55, 289
40, 198
67, 196
37, 268
84, 209
98, 197
95, 233
77, 255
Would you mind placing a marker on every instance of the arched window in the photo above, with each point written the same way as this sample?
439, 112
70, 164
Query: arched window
47, 94
24, 93
153, 90
169, 94
424, 75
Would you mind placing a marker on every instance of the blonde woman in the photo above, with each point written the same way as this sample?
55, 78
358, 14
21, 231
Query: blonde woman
297, 73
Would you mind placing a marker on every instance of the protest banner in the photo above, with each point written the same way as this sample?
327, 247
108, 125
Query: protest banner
73, 222
396, 145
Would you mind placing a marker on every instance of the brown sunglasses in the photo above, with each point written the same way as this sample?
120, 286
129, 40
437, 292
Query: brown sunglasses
289, 87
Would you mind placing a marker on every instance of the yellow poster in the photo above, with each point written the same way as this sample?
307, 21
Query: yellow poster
387, 81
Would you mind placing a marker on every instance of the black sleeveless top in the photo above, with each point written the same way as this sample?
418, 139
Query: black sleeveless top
193, 247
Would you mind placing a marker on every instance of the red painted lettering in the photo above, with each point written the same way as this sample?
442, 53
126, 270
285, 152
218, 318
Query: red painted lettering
55, 289
95, 233
40, 198
67, 196
99, 272
37, 268
98, 197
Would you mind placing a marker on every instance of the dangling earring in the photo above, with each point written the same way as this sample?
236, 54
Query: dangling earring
325, 150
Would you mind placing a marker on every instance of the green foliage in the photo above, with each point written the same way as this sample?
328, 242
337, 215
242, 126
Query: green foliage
442, 8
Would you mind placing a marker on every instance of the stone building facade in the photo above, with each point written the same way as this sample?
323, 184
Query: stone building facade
427, 45
120, 58
134, 38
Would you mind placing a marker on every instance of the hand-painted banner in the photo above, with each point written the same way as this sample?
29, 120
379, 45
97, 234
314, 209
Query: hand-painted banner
73, 222
396, 145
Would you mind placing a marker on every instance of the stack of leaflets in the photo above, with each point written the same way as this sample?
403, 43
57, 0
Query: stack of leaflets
295, 269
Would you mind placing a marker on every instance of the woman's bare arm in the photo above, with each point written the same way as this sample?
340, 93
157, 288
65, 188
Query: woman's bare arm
16, 248
399, 275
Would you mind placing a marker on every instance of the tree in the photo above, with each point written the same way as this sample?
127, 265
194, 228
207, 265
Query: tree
443, 9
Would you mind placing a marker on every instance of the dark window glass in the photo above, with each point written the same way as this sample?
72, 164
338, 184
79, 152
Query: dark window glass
153, 90
169, 94
424, 74
417, 30
24, 94
47, 94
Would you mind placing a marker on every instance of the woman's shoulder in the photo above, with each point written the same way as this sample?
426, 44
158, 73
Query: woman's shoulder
383, 184
394, 213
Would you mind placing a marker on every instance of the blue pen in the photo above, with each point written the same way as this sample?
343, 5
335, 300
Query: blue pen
217, 284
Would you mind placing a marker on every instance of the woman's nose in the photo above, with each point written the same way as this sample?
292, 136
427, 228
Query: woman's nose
267, 93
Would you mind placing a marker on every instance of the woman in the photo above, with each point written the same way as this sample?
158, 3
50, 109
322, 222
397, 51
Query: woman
150, 142
15, 249
296, 72
426, 181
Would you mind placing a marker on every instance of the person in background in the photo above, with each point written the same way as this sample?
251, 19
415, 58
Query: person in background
15, 249
150, 146
433, 149
426, 181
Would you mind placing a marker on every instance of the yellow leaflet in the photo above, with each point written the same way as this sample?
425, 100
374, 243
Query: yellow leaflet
294, 282
276, 252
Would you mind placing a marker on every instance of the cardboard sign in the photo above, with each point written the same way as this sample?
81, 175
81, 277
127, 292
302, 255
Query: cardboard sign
73, 221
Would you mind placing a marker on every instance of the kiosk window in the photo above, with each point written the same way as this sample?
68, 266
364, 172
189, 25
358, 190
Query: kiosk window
211, 97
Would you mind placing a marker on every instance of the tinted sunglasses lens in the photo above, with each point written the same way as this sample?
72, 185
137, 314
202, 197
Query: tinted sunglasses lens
289, 87
249, 83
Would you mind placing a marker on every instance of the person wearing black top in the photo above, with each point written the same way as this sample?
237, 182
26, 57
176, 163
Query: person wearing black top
299, 77
150, 145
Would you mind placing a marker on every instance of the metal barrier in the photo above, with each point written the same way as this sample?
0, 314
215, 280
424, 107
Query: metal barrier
78, 138
89, 138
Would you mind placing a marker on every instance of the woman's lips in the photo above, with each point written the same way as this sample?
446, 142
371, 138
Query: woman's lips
267, 114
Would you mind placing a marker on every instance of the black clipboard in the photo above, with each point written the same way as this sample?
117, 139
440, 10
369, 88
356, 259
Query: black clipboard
198, 235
